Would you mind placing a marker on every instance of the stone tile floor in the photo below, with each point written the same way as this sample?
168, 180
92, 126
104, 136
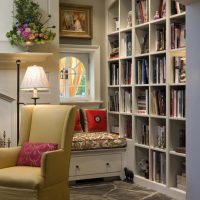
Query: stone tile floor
114, 190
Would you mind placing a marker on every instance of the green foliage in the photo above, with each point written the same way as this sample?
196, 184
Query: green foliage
28, 26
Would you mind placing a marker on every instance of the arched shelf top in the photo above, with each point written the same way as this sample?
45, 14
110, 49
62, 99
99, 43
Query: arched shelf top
111, 3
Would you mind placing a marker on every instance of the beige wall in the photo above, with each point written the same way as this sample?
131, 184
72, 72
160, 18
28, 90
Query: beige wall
98, 35
51, 66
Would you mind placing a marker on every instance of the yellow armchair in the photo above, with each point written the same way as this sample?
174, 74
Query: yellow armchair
42, 123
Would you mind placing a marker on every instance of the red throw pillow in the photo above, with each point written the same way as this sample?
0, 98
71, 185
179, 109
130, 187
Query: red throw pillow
31, 153
77, 127
95, 120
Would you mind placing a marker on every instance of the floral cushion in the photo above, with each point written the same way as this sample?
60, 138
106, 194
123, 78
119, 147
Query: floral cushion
97, 140
31, 153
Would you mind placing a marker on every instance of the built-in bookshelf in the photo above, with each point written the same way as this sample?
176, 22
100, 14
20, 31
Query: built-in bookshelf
146, 89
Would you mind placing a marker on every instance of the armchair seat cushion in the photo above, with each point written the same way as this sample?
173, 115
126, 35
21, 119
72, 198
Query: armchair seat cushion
21, 177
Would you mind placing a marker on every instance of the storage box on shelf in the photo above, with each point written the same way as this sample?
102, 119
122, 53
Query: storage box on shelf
157, 85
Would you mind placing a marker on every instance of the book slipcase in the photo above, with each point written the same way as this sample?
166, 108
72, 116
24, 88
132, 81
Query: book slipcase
146, 89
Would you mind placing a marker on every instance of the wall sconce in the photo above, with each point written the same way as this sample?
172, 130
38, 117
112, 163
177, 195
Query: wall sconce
35, 79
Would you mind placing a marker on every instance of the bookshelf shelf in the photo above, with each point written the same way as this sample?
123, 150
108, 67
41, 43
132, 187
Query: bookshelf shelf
158, 149
115, 33
141, 145
181, 15
126, 29
177, 154
158, 21
152, 81
178, 118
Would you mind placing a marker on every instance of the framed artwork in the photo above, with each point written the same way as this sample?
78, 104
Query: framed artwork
75, 21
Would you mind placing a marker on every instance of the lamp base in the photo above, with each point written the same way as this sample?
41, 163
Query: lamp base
35, 100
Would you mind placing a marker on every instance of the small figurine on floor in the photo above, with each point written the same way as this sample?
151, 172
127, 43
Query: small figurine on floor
129, 175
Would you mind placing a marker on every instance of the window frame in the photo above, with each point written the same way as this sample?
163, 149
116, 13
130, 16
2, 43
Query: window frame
93, 72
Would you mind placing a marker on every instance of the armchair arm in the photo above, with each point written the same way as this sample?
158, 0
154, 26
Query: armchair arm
8, 156
54, 166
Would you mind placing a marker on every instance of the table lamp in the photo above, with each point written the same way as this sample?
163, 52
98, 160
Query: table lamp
35, 79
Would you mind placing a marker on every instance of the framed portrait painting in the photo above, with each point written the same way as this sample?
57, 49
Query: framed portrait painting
75, 21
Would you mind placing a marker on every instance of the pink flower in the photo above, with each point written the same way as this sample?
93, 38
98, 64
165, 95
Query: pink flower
25, 34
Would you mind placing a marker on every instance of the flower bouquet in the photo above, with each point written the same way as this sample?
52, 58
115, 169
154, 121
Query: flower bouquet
28, 29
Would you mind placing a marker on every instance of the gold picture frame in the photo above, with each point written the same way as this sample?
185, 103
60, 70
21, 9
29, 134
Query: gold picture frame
75, 21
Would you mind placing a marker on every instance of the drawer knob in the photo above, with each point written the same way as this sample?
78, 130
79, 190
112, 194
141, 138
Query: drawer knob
107, 164
77, 166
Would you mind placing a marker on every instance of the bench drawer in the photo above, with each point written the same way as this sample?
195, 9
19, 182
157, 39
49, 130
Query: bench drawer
95, 164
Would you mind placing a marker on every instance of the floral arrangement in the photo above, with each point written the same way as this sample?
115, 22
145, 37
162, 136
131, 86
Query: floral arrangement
28, 26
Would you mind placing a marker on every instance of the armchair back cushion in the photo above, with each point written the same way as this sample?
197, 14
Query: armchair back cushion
47, 124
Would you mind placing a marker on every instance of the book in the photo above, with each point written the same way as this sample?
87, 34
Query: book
178, 35
159, 69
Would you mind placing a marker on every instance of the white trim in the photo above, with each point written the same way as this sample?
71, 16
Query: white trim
94, 67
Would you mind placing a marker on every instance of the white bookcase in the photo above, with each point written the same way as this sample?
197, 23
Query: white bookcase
146, 91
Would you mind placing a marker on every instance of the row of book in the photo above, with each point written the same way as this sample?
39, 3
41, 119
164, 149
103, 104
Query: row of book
127, 44
127, 127
127, 101
142, 71
160, 39
162, 9
114, 102
114, 74
159, 70
143, 101
178, 35
142, 11
144, 134
158, 167
158, 101
177, 108
177, 8
160, 141
179, 69
126, 72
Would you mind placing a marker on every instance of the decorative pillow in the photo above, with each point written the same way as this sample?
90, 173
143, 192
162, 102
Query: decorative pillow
95, 120
31, 153
78, 127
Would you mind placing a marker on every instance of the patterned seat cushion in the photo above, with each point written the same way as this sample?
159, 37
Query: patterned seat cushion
97, 140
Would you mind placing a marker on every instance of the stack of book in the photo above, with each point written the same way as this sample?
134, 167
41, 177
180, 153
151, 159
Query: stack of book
142, 71
114, 74
160, 39
158, 167
177, 102
178, 35
114, 102
158, 100
179, 68
159, 69
142, 11
114, 51
143, 102
126, 72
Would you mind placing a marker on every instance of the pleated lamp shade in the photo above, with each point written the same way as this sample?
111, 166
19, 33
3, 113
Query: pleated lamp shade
35, 78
